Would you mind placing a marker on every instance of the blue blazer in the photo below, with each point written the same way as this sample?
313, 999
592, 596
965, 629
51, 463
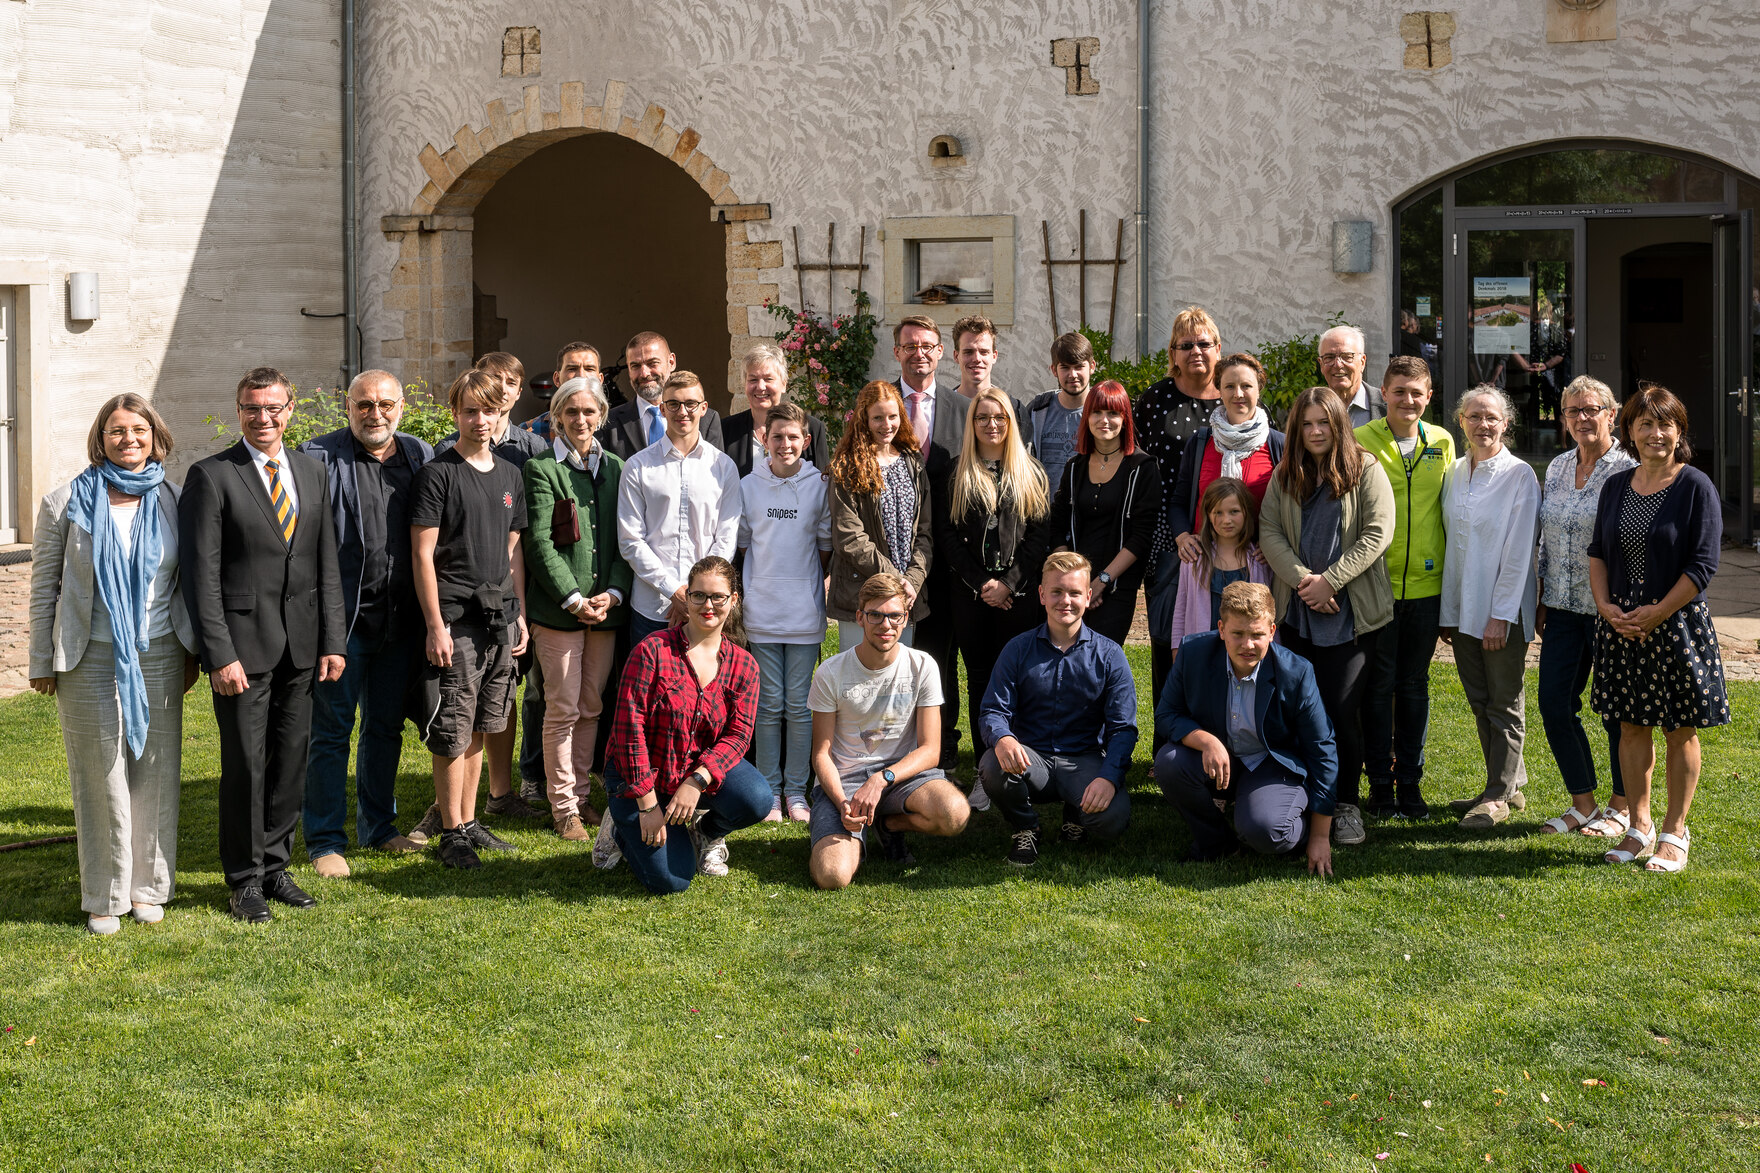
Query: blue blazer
335, 451
1292, 721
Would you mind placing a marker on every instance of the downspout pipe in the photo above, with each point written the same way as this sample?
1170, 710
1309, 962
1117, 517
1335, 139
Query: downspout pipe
1142, 220
351, 346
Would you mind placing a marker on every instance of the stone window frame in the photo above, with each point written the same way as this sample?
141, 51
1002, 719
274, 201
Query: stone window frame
899, 233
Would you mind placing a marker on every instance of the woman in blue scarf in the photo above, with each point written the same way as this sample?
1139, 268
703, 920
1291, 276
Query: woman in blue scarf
111, 642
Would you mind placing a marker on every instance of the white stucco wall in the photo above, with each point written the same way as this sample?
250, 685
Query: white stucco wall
187, 151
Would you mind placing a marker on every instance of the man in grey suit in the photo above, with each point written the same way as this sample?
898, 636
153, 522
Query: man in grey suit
371, 467
258, 548
636, 423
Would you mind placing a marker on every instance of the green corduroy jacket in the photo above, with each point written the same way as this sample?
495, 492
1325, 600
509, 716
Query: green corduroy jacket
591, 565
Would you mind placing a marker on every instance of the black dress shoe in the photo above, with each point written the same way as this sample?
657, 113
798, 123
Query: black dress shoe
247, 904
280, 886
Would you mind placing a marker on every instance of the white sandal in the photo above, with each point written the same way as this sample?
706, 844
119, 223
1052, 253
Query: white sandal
1683, 841
1646, 844
1569, 821
1608, 823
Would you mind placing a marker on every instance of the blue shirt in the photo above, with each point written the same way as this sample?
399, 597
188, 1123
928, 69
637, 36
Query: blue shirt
1243, 725
1070, 703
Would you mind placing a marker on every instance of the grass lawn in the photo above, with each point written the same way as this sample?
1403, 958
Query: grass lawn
1448, 1000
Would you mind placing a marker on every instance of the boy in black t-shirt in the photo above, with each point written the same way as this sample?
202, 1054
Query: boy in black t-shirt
467, 509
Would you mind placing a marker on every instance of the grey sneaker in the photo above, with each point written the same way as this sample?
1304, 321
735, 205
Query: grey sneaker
711, 853
977, 799
1347, 826
606, 854
512, 806
533, 793
428, 828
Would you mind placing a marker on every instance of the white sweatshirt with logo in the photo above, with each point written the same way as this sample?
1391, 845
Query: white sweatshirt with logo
786, 522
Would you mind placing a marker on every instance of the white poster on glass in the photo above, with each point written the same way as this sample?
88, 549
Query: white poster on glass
1500, 288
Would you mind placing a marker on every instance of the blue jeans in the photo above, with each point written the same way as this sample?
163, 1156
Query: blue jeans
374, 680
742, 799
785, 676
1566, 653
1396, 709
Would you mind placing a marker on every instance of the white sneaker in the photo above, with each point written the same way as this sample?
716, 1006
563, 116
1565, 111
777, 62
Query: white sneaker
711, 854
606, 854
977, 798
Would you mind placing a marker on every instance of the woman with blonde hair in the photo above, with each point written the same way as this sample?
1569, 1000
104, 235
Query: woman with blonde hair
766, 379
880, 518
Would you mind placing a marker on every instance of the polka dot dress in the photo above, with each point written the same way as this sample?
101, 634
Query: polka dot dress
1673, 678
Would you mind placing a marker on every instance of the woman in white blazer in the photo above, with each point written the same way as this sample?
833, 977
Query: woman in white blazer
111, 642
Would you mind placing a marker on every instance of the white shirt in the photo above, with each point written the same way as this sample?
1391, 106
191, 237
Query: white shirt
261, 460
673, 509
928, 411
1490, 513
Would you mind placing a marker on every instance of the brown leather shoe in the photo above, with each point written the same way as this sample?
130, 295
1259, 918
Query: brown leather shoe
398, 844
572, 829
331, 865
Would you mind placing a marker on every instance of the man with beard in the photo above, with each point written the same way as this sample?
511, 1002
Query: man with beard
634, 425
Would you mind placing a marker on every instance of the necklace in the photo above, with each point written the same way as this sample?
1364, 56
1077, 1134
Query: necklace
1106, 457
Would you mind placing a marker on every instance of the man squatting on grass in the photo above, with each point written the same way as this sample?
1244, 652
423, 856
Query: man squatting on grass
1060, 719
467, 511
876, 742
1243, 724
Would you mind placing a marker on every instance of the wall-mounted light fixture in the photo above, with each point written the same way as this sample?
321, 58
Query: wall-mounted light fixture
1351, 241
82, 297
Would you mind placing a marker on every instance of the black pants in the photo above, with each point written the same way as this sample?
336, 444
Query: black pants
265, 736
938, 636
983, 632
1396, 703
1342, 675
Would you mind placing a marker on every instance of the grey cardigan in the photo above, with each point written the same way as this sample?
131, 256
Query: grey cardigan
62, 589
1365, 523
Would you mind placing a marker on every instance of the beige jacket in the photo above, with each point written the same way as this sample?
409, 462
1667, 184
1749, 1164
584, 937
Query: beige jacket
1365, 523
858, 546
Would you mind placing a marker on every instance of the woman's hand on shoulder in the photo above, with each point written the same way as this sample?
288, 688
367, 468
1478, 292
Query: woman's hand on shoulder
1190, 548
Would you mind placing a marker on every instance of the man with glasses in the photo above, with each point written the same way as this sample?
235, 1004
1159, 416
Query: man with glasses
371, 467
679, 501
1343, 358
876, 738
636, 423
258, 547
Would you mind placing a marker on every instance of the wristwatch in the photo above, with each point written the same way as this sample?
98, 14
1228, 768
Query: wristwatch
889, 776
1104, 579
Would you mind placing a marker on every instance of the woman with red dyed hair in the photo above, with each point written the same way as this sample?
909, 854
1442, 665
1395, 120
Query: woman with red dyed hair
1108, 501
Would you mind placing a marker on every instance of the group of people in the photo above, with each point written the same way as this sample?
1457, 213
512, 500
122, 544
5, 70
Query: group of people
680, 570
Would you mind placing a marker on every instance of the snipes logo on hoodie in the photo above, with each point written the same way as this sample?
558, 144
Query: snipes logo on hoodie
780, 514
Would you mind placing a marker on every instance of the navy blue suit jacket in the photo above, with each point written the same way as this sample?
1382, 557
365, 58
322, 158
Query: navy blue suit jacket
335, 451
1292, 721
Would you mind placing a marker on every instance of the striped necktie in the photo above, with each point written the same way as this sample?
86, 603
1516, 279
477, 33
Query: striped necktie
285, 514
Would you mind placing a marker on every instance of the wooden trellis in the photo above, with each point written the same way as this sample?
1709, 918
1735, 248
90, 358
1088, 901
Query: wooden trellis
831, 267
1082, 264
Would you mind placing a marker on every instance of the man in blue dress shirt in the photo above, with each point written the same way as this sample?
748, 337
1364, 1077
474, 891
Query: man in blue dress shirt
1060, 718
1242, 722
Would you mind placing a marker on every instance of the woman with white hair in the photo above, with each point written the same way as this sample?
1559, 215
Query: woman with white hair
1566, 617
1488, 595
742, 435
576, 585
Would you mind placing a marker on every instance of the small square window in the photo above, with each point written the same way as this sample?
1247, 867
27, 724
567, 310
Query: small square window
945, 267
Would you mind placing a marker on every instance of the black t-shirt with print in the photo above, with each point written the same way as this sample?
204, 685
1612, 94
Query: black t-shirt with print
474, 510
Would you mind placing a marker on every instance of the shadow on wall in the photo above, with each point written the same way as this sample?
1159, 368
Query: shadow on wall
271, 241
594, 239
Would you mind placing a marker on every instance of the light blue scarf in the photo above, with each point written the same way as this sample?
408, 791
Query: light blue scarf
123, 582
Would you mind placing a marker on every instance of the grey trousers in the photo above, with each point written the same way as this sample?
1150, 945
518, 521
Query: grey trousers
1493, 684
124, 809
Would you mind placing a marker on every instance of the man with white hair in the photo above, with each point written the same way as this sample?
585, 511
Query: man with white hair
1343, 357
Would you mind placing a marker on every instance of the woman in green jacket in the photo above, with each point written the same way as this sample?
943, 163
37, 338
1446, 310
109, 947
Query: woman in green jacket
576, 586
1327, 521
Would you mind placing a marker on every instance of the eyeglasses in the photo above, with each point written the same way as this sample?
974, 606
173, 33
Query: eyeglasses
1204, 344
919, 347
887, 618
1476, 419
1583, 413
699, 598
682, 406
117, 435
1340, 356
376, 406
261, 409
988, 420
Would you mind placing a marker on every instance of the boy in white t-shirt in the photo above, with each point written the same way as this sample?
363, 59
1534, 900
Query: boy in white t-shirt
876, 742
785, 531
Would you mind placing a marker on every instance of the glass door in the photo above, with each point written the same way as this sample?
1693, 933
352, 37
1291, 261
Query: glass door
1516, 329
1733, 364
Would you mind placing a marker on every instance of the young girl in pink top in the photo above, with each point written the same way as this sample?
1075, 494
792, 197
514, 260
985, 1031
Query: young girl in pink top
1229, 521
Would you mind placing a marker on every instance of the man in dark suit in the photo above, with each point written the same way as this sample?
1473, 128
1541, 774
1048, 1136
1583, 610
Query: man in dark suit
258, 547
637, 423
371, 467
1243, 723
938, 417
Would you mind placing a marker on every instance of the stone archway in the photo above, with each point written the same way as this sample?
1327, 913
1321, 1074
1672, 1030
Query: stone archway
431, 281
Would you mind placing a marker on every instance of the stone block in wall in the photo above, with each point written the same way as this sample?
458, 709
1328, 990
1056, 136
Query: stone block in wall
1427, 36
665, 140
469, 149
573, 99
534, 102
1568, 22
613, 104
688, 139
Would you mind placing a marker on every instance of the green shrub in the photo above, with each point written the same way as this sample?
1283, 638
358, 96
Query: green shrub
321, 412
1291, 367
827, 358
1137, 374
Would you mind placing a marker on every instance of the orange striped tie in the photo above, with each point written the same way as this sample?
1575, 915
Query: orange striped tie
285, 514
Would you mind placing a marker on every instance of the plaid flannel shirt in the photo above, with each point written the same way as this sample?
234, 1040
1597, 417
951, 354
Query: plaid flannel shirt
665, 725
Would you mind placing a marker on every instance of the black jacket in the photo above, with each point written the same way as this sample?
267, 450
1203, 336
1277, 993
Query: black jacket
1132, 529
736, 432
623, 433
959, 546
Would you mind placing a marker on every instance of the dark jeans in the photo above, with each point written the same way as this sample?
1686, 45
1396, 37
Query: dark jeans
373, 682
641, 627
983, 632
742, 799
531, 719
1270, 804
1396, 705
1054, 778
938, 635
1342, 675
1567, 651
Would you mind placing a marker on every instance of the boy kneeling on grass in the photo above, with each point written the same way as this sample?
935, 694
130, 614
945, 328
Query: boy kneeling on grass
876, 741
467, 509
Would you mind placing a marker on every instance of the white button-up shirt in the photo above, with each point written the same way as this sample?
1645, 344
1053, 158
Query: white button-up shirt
1490, 513
673, 509
261, 459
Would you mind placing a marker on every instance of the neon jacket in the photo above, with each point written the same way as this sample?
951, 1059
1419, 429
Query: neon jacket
1414, 560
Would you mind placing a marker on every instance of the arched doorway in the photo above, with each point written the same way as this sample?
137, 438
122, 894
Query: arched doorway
1619, 260
596, 238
